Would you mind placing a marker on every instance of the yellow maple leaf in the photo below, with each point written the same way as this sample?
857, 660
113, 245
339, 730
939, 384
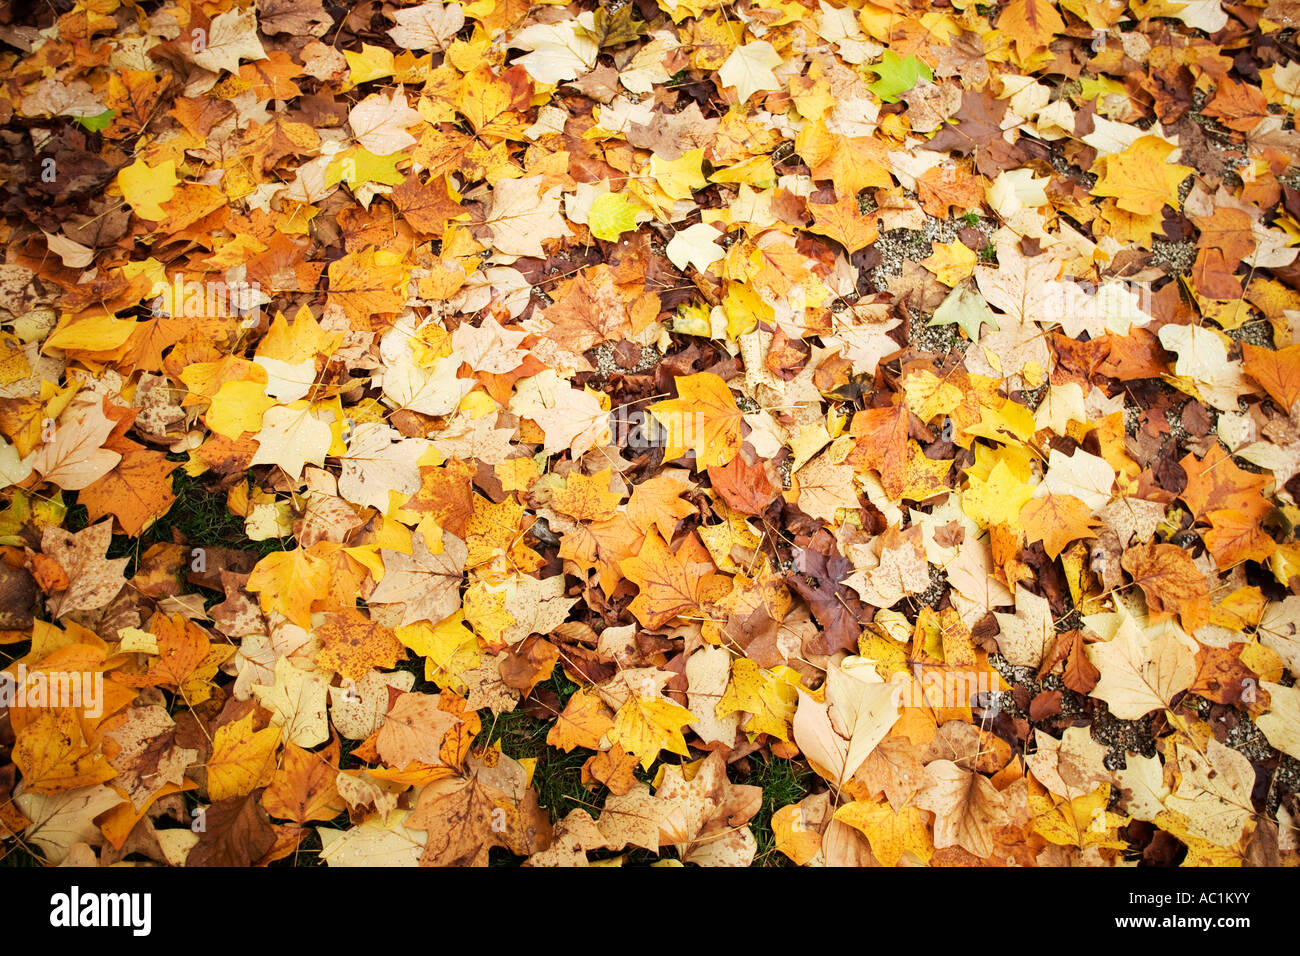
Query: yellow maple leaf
951, 263
586, 497
793, 836
372, 63
679, 178
997, 499
1032, 25
1141, 178
145, 187
891, 834
449, 649
54, 755
352, 644
768, 696
290, 582
843, 222
646, 726
1081, 822
242, 759
704, 418
582, 723
924, 477
238, 407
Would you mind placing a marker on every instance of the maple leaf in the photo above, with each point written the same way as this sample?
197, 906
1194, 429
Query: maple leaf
352, 643
1140, 674
413, 730
429, 26
1141, 178
587, 497
769, 697
749, 69
242, 759
426, 585
559, 51
583, 722
893, 769
966, 806
965, 308
58, 822
1203, 361
1236, 536
588, 312
457, 816
671, 582
148, 758
890, 568
704, 818
427, 206
54, 755
997, 499
1171, 582
1214, 793
704, 418
144, 188
368, 283
1032, 24
296, 701
1087, 478
380, 462
843, 222
837, 735
898, 74
644, 726
93, 579
76, 457
297, 17
696, 245
891, 833
1024, 637
1277, 371
852, 163
823, 488
978, 131
302, 789
380, 123
291, 437
378, 841
290, 582
793, 836
136, 491
182, 648
1056, 520
237, 832
611, 215
1220, 674
521, 218
881, 435
951, 264
231, 37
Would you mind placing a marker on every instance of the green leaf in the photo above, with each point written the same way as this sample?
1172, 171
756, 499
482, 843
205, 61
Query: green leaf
98, 122
897, 74
966, 308
610, 216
